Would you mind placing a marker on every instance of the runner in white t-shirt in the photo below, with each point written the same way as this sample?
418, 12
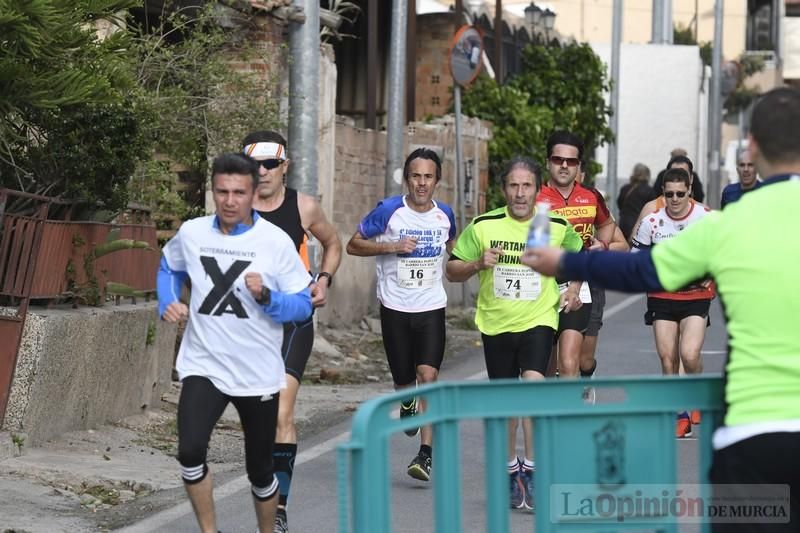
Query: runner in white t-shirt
409, 236
679, 318
247, 279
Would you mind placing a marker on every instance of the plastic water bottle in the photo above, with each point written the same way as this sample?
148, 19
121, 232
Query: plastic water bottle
539, 233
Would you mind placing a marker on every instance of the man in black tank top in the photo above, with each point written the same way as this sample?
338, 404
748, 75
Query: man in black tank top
297, 214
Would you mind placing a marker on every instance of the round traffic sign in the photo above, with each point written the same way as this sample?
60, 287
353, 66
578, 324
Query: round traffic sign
465, 55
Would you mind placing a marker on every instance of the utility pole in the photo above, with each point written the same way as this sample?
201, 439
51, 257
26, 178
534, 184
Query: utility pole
304, 99
395, 108
611, 167
657, 36
715, 110
662, 32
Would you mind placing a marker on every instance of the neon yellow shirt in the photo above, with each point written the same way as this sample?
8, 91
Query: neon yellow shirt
512, 298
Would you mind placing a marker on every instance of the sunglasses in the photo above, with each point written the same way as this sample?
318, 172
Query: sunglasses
670, 194
558, 161
269, 164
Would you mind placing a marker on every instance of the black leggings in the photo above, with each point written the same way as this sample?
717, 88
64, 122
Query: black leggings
200, 406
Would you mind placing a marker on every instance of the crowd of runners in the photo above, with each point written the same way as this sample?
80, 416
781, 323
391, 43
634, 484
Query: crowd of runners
539, 310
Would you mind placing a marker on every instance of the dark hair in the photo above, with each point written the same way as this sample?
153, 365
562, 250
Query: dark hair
676, 175
776, 125
235, 163
681, 159
423, 153
522, 162
264, 136
564, 137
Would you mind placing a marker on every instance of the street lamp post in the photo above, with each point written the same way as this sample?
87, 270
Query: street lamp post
535, 15
549, 18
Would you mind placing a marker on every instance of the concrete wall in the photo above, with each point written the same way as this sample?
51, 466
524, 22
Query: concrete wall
662, 106
79, 368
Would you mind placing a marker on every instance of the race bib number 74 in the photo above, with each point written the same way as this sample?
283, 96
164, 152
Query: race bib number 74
512, 283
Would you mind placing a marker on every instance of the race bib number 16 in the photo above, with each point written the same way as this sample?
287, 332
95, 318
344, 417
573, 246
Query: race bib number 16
516, 283
418, 272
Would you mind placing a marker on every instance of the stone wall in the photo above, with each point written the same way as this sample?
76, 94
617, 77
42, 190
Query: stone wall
80, 368
433, 95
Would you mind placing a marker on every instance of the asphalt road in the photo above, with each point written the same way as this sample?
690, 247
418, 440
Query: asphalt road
625, 348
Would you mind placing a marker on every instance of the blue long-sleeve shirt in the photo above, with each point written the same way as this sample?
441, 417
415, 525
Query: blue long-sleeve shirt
621, 271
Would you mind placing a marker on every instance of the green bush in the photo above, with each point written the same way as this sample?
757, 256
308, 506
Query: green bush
558, 88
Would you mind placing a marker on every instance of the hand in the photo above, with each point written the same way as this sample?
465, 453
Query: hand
319, 292
406, 245
544, 260
570, 300
253, 283
175, 312
489, 257
597, 245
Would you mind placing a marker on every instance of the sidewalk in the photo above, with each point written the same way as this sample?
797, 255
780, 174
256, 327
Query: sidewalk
104, 479
93, 480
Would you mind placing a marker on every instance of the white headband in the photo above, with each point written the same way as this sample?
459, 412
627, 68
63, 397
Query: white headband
266, 149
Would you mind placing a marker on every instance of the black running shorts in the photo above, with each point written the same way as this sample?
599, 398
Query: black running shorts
298, 339
596, 314
577, 320
410, 340
508, 355
675, 310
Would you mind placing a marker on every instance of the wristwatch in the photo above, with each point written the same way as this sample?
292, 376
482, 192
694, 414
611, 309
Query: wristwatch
266, 296
326, 275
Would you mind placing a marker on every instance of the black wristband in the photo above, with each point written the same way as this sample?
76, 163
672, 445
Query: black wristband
326, 275
266, 296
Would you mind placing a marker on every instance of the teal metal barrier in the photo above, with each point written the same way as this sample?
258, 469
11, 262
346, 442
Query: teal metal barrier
626, 439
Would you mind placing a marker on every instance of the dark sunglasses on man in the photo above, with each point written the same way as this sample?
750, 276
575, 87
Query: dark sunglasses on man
269, 164
559, 161
670, 194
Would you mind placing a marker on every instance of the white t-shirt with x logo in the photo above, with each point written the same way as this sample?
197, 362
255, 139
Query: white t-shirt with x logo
229, 339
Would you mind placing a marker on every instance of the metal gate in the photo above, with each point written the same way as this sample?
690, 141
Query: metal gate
20, 237
619, 446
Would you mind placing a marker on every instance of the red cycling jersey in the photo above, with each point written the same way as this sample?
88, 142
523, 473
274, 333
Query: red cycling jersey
584, 208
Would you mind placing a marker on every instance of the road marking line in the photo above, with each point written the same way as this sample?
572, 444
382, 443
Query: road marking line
233, 486
614, 309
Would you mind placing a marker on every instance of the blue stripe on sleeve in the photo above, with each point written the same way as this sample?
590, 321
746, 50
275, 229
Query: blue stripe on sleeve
284, 307
168, 285
375, 222
449, 212
619, 271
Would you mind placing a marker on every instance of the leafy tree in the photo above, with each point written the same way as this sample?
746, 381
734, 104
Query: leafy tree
203, 106
55, 72
83, 111
558, 88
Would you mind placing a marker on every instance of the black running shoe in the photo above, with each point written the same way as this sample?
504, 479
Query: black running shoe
281, 524
409, 409
420, 467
